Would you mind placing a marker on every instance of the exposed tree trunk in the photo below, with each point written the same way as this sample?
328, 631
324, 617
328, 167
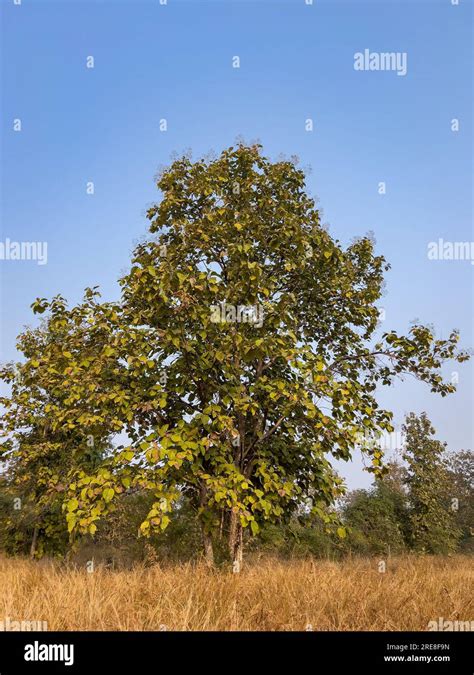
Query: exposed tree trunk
240, 545
232, 533
235, 542
221, 526
206, 537
33, 543
208, 550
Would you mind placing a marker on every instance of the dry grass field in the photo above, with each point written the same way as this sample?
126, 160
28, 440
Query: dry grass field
273, 595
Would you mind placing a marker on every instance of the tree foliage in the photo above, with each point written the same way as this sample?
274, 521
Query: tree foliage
433, 505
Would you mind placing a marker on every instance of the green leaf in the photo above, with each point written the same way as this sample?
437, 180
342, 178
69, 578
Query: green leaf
164, 522
72, 505
108, 494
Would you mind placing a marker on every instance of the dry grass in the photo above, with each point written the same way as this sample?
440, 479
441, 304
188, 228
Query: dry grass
274, 595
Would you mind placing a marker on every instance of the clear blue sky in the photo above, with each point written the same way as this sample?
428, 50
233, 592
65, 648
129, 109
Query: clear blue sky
174, 61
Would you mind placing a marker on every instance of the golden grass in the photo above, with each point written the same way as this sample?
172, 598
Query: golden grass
271, 595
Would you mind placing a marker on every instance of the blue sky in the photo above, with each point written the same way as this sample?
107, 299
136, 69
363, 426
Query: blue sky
174, 61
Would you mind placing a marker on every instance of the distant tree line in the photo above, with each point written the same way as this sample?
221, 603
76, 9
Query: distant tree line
423, 502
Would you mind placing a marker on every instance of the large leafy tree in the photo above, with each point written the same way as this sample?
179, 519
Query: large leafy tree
242, 358
265, 327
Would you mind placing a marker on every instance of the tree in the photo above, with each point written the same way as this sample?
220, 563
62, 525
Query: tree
61, 412
263, 324
375, 519
431, 516
264, 327
460, 467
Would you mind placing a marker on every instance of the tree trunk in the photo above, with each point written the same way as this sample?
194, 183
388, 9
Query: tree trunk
33, 543
221, 526
208, 550
206, 537
240, 545
235, 542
